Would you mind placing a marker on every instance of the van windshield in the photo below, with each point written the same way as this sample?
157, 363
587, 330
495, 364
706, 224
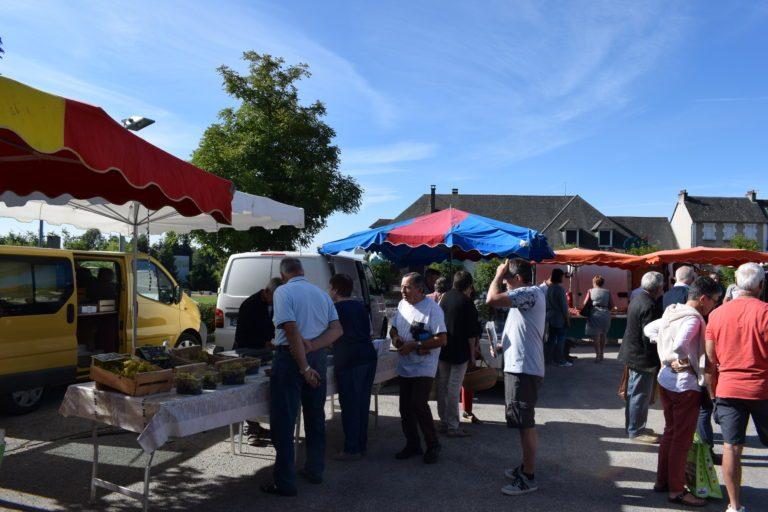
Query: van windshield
246, 276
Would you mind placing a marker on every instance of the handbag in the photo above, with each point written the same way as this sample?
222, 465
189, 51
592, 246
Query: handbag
586, 309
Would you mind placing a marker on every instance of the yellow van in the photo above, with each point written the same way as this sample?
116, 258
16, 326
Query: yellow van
59, 307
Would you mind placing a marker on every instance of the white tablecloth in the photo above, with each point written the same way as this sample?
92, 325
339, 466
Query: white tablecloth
157, 417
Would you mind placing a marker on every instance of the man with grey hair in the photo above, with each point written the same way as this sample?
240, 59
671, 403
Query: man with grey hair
737, 367
678, 294
641, 357
306, 324
418, 332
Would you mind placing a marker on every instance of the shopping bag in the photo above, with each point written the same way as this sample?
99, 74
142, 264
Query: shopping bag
700, 474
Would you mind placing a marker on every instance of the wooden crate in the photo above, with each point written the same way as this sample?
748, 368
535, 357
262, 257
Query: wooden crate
251, 364
190, 355
148, 383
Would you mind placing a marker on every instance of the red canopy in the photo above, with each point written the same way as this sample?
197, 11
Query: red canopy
706, 255
56, 146
580, 257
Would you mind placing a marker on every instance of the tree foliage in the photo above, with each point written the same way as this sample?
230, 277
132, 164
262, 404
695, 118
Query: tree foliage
274, 146
386, 273
742, 242
28, 239
642, 250
484, 274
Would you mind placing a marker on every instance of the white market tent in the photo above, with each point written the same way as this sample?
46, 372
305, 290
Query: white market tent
248, 211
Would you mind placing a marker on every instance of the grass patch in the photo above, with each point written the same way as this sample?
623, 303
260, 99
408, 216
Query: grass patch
205, 299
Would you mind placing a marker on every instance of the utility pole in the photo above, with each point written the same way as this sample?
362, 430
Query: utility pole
40, 241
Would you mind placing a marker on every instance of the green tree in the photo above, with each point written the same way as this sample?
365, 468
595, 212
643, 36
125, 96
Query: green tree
642, 250
484, 274
447, 269
91, 240
274, 146
28, 239
742, 242
386, 273
205, 272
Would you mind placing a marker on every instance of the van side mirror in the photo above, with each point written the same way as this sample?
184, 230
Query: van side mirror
177, 294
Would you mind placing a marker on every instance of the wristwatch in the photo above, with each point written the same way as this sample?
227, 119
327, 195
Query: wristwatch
419, 344
305, 370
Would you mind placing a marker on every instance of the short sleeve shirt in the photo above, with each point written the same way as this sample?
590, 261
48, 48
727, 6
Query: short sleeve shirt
739, 330
300, 301
523, 337
429, 314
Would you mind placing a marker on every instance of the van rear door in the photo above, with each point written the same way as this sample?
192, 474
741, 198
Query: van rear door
38, 343
243, 277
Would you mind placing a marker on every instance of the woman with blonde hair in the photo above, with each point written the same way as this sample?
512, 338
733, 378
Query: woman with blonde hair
597, 308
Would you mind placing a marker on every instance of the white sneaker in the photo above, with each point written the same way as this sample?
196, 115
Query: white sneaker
512, 474
731, 509
521, 485
566, 364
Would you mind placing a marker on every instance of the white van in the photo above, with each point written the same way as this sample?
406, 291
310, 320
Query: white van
247, 273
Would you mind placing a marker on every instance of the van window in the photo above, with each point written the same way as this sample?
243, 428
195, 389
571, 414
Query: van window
34, 286
153, 283
246, 276
373, 286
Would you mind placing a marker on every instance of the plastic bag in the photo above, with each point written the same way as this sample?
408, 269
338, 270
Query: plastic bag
700, 473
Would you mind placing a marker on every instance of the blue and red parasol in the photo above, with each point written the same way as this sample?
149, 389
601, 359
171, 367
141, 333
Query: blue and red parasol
447, 234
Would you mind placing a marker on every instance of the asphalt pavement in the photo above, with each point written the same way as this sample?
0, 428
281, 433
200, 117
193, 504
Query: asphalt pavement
585, 462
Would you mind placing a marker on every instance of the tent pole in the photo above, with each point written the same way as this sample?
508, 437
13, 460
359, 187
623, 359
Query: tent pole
135, 272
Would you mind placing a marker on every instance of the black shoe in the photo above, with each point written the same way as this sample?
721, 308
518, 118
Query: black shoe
408, 452
258, 441
432, 454
274, 489
717, 460
313, 479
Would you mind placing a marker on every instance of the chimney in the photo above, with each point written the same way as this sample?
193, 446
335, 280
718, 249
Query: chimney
682, 195
455, 191
432, 207
752, 195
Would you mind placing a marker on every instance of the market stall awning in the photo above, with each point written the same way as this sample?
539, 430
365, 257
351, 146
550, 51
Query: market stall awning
53, 146
579, 257
447, 234
706, 255
248, 211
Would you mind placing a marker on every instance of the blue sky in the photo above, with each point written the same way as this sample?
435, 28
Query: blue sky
622, 103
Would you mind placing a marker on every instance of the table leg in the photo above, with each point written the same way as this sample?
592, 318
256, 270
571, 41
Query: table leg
232, 438
95, 467
376, 406
145, 500
240, 438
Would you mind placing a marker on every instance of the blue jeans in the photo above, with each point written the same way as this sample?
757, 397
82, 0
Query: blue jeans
704, 425
556, 344
639, 389
355, 385
288, 389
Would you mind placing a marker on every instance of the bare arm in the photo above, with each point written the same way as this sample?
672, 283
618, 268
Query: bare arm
498, 298
711, 368
328, 337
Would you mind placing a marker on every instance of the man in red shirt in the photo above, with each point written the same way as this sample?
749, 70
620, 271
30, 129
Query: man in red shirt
737, 352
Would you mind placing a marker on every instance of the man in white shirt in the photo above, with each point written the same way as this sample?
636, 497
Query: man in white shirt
522, 344
418, 332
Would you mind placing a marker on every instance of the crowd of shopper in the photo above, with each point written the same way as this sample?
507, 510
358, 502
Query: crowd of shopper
701, 353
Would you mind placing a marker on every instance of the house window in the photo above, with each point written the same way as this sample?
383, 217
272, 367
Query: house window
750, 231
571, 236
729, 231
605, 238
708, 232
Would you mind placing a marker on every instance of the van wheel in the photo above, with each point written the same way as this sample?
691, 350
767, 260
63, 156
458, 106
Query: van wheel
188, 339
21, 402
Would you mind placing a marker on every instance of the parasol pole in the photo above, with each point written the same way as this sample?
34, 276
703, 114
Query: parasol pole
135, 272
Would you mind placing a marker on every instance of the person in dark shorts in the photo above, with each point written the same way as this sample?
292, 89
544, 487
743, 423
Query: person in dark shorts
737, 365
523, 350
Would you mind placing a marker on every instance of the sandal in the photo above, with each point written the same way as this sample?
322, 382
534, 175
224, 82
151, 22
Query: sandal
691, 501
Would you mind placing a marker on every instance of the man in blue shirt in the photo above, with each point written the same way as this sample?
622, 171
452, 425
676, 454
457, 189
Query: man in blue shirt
678, 294
306, 324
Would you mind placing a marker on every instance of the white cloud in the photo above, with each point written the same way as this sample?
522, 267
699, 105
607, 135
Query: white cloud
377, 195
379, 155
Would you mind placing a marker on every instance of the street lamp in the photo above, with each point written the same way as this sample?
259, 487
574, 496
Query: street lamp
136, 123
